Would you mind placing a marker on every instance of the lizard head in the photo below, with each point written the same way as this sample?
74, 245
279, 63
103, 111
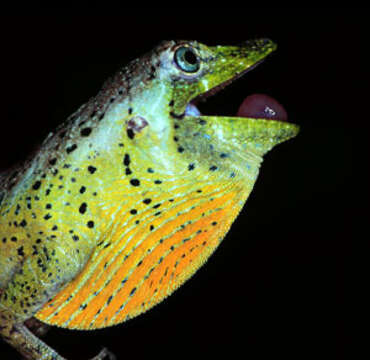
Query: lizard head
187, 72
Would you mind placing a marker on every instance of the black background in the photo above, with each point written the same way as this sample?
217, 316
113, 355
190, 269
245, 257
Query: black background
278, 284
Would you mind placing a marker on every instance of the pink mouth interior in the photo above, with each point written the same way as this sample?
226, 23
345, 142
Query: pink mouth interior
258, 106
262, 106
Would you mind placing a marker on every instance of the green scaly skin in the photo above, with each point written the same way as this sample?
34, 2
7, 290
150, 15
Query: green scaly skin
51, 216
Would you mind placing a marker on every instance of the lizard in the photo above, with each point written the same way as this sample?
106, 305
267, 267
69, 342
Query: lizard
124, 201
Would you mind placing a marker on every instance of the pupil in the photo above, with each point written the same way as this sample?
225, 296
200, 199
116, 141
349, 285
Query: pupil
190, 57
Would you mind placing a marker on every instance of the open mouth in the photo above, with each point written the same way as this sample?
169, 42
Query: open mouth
257, 106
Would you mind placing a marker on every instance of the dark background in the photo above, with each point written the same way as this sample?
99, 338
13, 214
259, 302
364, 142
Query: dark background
278, 286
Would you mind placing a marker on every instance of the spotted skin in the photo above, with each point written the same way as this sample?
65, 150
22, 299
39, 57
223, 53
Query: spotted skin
128, 198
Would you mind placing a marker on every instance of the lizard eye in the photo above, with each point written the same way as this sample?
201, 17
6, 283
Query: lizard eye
186, 59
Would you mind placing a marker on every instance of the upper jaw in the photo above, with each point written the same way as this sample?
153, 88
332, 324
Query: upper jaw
264, 46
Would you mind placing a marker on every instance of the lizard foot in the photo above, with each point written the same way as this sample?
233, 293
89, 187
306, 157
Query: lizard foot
104, 354
37, 327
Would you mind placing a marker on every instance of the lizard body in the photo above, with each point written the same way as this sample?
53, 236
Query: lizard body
129, 197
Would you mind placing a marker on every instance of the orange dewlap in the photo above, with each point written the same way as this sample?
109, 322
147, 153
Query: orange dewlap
105, 275
139, 268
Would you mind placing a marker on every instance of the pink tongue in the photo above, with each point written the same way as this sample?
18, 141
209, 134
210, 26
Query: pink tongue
261, 106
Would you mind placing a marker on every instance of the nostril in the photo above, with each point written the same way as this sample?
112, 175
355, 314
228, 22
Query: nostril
265, 41
258, 43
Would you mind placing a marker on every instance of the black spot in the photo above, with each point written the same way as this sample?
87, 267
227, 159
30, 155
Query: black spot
48, 206
213, 168
130, 111
101, 116
171, 103
75, 238
128, 171
147, 201
54, 228
156, 206
82, 208
157, 182
130, 133
47, 216
36, 185
82, 189
202, 122
23, 223
90, 224
126, 160
53, 161
180, 149
134, 182
150, 170
191, 167
91, 169
214, 223
223, 155
133, 291
151, 227
133, 211
85, 131
71, 148
20, 251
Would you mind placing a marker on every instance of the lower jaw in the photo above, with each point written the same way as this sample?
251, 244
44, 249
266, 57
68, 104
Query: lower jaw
258, 135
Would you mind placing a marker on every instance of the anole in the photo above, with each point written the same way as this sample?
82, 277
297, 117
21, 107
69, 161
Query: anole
131, 195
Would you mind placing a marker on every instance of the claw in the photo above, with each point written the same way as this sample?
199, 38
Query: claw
104, 354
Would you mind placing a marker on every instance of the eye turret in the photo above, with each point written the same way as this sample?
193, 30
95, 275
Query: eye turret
186, 59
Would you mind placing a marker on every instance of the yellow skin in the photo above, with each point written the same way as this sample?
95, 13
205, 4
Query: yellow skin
128, 198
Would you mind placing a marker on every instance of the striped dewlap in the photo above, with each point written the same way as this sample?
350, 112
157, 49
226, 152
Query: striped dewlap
142, 267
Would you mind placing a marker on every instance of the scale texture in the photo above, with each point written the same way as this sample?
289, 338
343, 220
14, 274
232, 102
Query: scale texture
130, 196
